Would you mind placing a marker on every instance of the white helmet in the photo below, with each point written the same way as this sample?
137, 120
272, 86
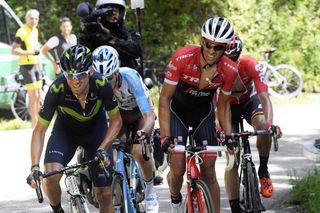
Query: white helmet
105, 60
218, 30
118, 2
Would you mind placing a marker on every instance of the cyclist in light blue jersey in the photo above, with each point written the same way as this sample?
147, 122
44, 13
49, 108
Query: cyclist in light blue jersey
136, 110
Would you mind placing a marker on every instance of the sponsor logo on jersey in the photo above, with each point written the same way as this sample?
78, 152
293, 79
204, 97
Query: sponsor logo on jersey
194, 92
230, 66
184, 56
190, 78
172, 67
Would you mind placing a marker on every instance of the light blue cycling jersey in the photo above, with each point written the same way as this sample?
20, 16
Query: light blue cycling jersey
133, 91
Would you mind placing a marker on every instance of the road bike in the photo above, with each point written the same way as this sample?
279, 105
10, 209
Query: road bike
128, 185
250, 198
76, 198
198, 197
19, 100
284, 80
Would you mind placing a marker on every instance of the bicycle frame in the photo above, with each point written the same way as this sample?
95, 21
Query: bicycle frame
127, 168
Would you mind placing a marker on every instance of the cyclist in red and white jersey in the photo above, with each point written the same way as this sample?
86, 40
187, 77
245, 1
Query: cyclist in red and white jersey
250, 99
193, 76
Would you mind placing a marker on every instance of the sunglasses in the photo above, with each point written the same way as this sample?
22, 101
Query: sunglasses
77, 76
214, 47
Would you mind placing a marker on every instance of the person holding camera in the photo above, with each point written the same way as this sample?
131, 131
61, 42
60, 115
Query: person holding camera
105, 26
57, 44
25, 45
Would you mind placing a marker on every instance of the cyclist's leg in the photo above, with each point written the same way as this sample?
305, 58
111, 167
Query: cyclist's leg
59, 152
205, 131
231, 178
103, 190
255, 117
177, 161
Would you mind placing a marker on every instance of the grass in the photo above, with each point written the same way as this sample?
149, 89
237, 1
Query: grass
306, 191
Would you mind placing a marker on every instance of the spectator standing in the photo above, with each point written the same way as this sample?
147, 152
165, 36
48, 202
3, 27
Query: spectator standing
57, 44
25, 45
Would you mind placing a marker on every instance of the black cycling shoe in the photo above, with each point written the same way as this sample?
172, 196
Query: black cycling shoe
157, 180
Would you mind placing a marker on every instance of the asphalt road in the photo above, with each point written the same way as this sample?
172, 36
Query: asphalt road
299, 123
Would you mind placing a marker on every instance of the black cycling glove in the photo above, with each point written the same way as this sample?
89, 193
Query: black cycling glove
166, 141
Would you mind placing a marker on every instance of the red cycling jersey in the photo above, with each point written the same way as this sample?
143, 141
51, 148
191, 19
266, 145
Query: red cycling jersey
184, 71
250, 71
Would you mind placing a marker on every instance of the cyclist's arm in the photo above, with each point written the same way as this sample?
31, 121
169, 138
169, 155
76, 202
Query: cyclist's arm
164, 108
266, 106
37, 141
149, 118
115, 123
224, 112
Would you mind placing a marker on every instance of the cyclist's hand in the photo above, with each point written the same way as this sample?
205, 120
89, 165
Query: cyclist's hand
231, 145
274, 129
103, 156
141, 136
220, 135
167, 144
34, 176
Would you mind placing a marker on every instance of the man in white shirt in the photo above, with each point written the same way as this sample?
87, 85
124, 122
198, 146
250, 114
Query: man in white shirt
57, 44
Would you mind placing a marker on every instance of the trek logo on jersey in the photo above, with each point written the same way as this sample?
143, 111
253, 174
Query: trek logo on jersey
184, 56
190, 78
230, 66
194, 92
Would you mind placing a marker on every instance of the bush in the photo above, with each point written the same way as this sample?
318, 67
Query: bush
306, 191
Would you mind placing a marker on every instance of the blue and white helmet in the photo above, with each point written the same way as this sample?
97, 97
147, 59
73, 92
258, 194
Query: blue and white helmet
105, 60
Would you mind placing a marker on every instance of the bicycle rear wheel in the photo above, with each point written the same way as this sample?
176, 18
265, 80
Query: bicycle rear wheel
118, 194
202, 195
252, 196
284, 81
19, 105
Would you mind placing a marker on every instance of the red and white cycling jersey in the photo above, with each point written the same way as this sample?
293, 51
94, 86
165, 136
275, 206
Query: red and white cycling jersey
184, 71
250, 72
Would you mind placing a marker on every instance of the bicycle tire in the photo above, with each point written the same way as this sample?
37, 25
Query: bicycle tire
254, 200
80, 205
201, 187
284, 82
19, 105
118, 195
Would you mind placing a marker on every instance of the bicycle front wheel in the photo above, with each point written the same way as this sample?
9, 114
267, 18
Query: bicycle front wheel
79, 205
201, 194
252, 190
284, 81
118, 195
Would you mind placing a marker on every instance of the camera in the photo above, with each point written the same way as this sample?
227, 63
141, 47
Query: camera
90, 18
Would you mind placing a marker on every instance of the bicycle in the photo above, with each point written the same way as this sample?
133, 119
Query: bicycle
198, 197
128, 185
77, 200
19, 100
284, 80
249, 191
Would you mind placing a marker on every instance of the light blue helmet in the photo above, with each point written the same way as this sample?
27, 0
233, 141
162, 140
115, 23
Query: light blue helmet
105, 60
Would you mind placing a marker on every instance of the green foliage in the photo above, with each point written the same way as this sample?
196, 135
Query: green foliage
306, 191
289, 25
13, 124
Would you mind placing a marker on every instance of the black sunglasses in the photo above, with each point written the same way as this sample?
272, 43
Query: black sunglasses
214, 47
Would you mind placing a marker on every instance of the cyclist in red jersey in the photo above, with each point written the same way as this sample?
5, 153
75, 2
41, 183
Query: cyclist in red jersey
193, 76
250, 99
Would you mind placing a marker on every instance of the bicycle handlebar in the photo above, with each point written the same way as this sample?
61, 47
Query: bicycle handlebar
62, 170
201, 149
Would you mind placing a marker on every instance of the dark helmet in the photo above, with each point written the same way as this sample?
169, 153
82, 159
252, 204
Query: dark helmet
234, 49
76, 59
217, 29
